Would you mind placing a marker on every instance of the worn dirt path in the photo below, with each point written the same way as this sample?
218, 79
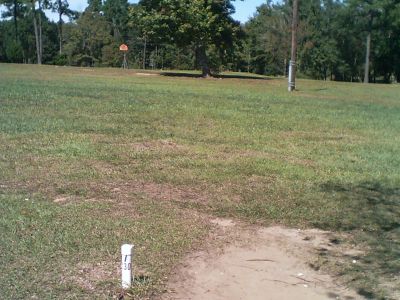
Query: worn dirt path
257, 263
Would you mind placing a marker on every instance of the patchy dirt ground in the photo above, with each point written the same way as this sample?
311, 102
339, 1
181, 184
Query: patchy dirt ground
247, 262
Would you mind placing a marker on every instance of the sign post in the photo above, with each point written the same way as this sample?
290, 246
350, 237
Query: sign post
124, 49
126, 266
292, 63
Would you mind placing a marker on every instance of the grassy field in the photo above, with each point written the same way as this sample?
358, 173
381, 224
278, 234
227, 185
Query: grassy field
92, 158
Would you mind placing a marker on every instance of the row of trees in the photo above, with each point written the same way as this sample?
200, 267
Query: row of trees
26, 29
351, 40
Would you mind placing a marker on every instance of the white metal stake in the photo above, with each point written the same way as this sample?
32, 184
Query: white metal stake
126, 266
290, 77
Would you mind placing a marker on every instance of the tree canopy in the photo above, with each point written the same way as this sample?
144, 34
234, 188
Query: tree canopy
204, 25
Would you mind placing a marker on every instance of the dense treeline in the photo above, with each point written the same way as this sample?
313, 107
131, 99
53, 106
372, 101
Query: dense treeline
351, 40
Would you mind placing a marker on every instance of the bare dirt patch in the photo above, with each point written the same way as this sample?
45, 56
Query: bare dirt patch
248, 262
88, 276
147, 74
160, 145
61, 199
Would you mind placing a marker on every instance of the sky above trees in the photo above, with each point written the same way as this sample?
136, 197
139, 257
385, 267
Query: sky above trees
246, 9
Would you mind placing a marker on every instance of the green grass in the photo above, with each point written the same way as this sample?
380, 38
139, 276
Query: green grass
325, 156
50, 251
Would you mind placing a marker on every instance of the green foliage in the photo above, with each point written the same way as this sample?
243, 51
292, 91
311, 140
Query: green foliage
61, 60
18, 38
269, 40
331, 39
319, 53
111, 56
116, 13
87, 39
95, 6
206, 26
13, 50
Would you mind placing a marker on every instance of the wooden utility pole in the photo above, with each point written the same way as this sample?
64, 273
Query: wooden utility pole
292, 64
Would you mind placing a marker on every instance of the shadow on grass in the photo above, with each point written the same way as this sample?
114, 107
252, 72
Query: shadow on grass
319, 90
371, 211
221, 76
370, 206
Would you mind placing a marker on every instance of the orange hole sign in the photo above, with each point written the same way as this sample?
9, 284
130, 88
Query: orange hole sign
123, 47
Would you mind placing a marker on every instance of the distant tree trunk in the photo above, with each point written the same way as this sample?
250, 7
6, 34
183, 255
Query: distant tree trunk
60, 33
367, 55
284, 67
248, 60
203, 61
15, 14
156, 59
368, 48
35, 26
40, 31
144, 53
60, 22
116, 32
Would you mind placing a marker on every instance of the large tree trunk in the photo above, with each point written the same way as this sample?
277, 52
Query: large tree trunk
203, 61
367, 55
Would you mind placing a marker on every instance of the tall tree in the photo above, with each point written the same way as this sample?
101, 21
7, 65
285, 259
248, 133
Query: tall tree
14, 9
88, 37
367, 11
269, 38
319, 54
201, 23
37, 15
34, 15
61, 7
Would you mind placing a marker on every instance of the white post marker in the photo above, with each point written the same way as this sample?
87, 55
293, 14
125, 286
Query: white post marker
126, 266
290, 79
